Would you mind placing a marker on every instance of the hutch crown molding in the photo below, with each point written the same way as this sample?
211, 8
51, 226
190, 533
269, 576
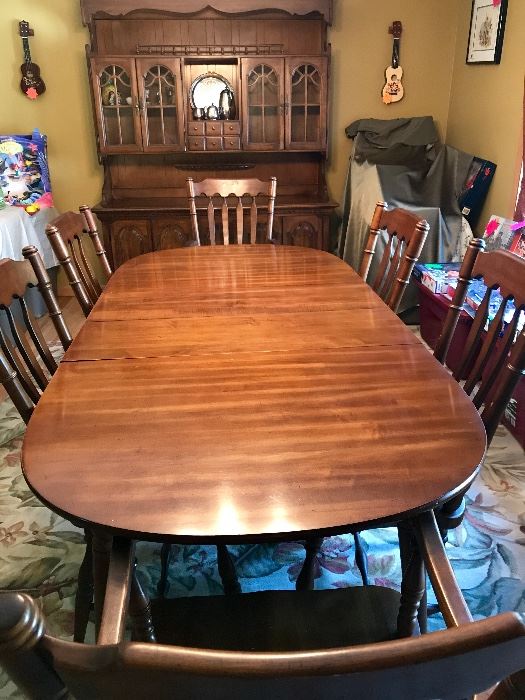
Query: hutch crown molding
183, 89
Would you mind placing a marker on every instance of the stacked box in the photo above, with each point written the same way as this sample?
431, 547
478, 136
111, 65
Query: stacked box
436, 276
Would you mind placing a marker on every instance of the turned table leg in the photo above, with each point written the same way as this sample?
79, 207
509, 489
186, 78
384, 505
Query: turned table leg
84, 596
413, 583
102, 542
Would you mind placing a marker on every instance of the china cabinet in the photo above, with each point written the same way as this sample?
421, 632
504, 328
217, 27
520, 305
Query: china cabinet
229, 89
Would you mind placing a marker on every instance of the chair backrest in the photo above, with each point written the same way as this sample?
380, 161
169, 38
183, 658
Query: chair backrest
22, 343
406, 236
66, 236
239, 196
450, 664
493, 359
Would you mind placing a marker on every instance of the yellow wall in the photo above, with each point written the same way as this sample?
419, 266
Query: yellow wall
486, 114
63, 112
485, 101
362, 49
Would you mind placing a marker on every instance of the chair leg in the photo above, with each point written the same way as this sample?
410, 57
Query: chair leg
84, 596
422, 613
227, 572
361, 558
162, 586
305, 580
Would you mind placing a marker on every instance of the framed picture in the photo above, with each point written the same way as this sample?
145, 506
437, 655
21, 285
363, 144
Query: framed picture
487, 26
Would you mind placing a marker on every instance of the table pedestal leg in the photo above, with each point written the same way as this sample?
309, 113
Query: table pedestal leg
412, 583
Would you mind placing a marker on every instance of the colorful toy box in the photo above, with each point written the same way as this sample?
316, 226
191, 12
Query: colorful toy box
24, 172
436, 276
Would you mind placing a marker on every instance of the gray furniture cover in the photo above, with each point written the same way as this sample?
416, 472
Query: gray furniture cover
402, 162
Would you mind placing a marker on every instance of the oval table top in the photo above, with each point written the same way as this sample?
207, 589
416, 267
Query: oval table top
244, 393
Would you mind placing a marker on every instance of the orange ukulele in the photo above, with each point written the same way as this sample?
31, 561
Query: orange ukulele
31, 84
393, 90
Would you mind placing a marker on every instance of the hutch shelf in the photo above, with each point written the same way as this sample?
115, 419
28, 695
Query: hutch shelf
183, 89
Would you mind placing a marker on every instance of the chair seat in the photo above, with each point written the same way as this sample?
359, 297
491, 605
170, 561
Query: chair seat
279, 620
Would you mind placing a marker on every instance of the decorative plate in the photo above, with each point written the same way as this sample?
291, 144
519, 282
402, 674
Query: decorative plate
206, 89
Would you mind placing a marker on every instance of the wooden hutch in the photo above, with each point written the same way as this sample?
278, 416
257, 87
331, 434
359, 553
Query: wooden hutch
150, 63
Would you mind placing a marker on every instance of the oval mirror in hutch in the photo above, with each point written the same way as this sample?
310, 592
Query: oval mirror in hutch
203, 91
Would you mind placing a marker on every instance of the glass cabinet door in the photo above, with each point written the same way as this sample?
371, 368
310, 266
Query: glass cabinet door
263, 103
160, 104
116, 105
306, 103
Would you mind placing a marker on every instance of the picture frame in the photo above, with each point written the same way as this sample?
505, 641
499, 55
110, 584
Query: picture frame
487, 28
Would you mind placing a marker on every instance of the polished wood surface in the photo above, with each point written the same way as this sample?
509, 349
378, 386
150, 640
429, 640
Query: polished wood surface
258, 332
221, 442
211, 281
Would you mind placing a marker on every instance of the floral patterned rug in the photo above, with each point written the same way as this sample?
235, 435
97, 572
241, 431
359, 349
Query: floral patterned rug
40, 552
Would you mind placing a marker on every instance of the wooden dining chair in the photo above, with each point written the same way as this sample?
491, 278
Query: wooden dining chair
406, 235
66, 235
26, 363
493, 358
226, 200
21, 340
280, 644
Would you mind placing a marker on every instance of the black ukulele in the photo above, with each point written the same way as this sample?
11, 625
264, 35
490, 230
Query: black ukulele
31, 84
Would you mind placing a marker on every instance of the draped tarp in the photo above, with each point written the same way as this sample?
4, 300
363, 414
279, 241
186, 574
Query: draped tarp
402, 162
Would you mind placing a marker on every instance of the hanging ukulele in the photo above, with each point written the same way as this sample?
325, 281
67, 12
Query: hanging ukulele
393, 90
31, 84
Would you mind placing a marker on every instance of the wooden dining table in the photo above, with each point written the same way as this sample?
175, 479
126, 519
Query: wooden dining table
247, 393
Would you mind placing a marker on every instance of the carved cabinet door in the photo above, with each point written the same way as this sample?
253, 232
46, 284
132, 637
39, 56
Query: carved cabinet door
160, 104
130, 238
116, 105
263, 103
306, 99
171, 233
304, 230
